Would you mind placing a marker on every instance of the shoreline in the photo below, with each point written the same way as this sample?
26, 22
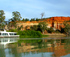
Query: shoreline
54, 35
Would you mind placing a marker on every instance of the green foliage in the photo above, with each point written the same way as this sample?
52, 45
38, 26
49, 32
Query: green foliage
62, 30
34, 27
44, 35
42, 26
26, 19
2, 19
29, 34
50, 30
16, 17
13, 30
19, 28
23, 19
37, 19
33, 19
67, 28
30, 41
57, 31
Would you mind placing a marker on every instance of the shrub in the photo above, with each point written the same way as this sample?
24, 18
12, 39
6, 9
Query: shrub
13, 30
57, 31
29, 34
50, 30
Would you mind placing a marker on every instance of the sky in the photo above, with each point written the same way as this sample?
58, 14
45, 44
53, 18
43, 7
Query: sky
33, 8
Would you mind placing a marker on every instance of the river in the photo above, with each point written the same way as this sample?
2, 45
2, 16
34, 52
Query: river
35, 47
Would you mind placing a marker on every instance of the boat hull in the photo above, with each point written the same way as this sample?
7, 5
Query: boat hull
12, 36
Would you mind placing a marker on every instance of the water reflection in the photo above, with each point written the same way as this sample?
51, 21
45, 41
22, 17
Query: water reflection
5, 41
37, 48
2, 52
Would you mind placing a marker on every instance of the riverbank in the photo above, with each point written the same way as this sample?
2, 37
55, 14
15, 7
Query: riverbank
51, 35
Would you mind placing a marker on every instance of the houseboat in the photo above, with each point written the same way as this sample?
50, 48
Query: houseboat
5, 34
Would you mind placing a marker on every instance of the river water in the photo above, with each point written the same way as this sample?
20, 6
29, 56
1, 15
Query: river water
50, 47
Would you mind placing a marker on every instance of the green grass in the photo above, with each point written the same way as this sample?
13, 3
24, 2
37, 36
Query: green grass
45, 35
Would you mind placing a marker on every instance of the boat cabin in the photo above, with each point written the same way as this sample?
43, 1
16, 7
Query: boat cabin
7, 34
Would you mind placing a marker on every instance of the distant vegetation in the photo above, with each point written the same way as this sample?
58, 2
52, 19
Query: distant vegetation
66, 29
29, 34
2, 19
42, 27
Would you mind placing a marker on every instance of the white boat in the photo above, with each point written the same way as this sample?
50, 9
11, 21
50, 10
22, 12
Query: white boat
5, 34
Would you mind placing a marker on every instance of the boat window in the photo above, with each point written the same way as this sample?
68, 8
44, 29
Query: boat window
15, 34
4, 33
12, 33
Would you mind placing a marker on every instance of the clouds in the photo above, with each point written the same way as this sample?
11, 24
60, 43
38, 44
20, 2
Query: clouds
33, 8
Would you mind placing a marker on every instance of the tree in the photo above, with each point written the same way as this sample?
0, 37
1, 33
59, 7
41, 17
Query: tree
21, 27
16, 17
67, 28
33, 19
42, 26
50, 30
42, 14
2, 19
37, 19
34, 27
23, 19
26, 19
